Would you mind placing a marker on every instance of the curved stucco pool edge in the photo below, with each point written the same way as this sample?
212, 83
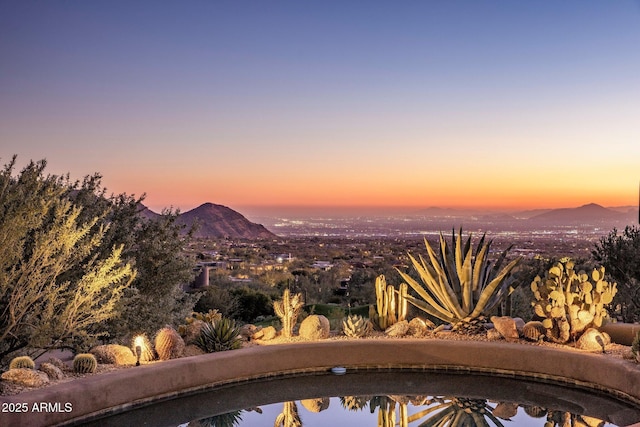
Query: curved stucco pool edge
129, 387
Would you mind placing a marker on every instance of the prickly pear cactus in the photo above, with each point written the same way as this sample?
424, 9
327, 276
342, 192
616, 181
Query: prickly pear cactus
22, 362
169, 344
356, 326
288, 309
85, 363
391, 304
571, 302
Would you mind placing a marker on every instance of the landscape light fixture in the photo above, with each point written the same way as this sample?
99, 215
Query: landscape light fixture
139, 342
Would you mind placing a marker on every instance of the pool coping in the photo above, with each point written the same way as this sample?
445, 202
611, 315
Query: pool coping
127, 388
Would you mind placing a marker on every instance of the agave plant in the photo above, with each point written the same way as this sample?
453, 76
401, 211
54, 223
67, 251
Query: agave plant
461, 284
219, 336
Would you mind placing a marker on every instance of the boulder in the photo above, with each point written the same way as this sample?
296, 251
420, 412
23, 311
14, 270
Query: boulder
315, 327
192, 350
265, 334
52, 371
191, 332
58, 364
113, 354
505, 410
593, 340
399, 329
494, 335
418, 327
506, 326
247, 331
316, 405
26, 377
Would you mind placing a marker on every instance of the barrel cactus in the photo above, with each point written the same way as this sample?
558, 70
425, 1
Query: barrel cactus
22, 362
169, 344
570, 302
356, 326
85, 363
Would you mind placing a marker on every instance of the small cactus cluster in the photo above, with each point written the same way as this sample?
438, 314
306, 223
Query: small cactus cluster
191, 323
288, 309
22, 362
168, 343
356, 326
391, 304
219, 336
570, 302
85, 363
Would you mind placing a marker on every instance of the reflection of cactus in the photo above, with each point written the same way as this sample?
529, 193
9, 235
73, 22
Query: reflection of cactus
22, 362
230, 419
289, 416
288, 309
391, 304
567, 419
356, 326
169, 344
354, 403
457, 412
85, 363
569, 302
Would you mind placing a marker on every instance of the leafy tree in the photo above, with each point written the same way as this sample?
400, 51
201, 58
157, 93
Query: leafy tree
620, 256
154, 246
54, 288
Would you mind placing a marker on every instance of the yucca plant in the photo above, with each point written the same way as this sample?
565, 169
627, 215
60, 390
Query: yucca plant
219, 336
461, 284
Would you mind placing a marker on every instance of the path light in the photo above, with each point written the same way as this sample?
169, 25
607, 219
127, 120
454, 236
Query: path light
138, 342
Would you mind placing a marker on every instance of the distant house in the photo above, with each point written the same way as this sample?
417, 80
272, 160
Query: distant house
322, 265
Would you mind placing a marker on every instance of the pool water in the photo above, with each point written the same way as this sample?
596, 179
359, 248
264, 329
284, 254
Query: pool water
385, 398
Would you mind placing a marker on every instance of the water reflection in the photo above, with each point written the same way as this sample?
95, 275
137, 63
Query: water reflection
402, 411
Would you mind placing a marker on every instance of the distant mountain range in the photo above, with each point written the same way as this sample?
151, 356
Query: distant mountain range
217, 221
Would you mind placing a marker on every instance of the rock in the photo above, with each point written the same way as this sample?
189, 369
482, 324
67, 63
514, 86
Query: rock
506, 326
58, 363
593, 340
494, 335
113, 354
535, 411
192, 350
534, 331
315, 327
316, 405
247, 331
398, 329
418, 327
505, 410
26, 377
519, 324
267, 333
52, 371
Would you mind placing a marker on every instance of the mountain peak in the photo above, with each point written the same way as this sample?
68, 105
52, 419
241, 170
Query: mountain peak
218, 221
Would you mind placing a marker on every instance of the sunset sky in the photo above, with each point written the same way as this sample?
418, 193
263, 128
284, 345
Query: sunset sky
497, 104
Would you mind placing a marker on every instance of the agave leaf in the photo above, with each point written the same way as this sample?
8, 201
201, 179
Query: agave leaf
449, 265
465, 274
439, 419
480, 266
427, 304
489, 290
438, 284
418, 415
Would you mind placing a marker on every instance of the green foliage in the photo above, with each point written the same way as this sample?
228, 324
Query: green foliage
168, 344
22, 362
59, 283
85, 363
288, 309
221, 335
224, 300
391, 304
619, 254
356, 326
460, 283
251, 304
571, 302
